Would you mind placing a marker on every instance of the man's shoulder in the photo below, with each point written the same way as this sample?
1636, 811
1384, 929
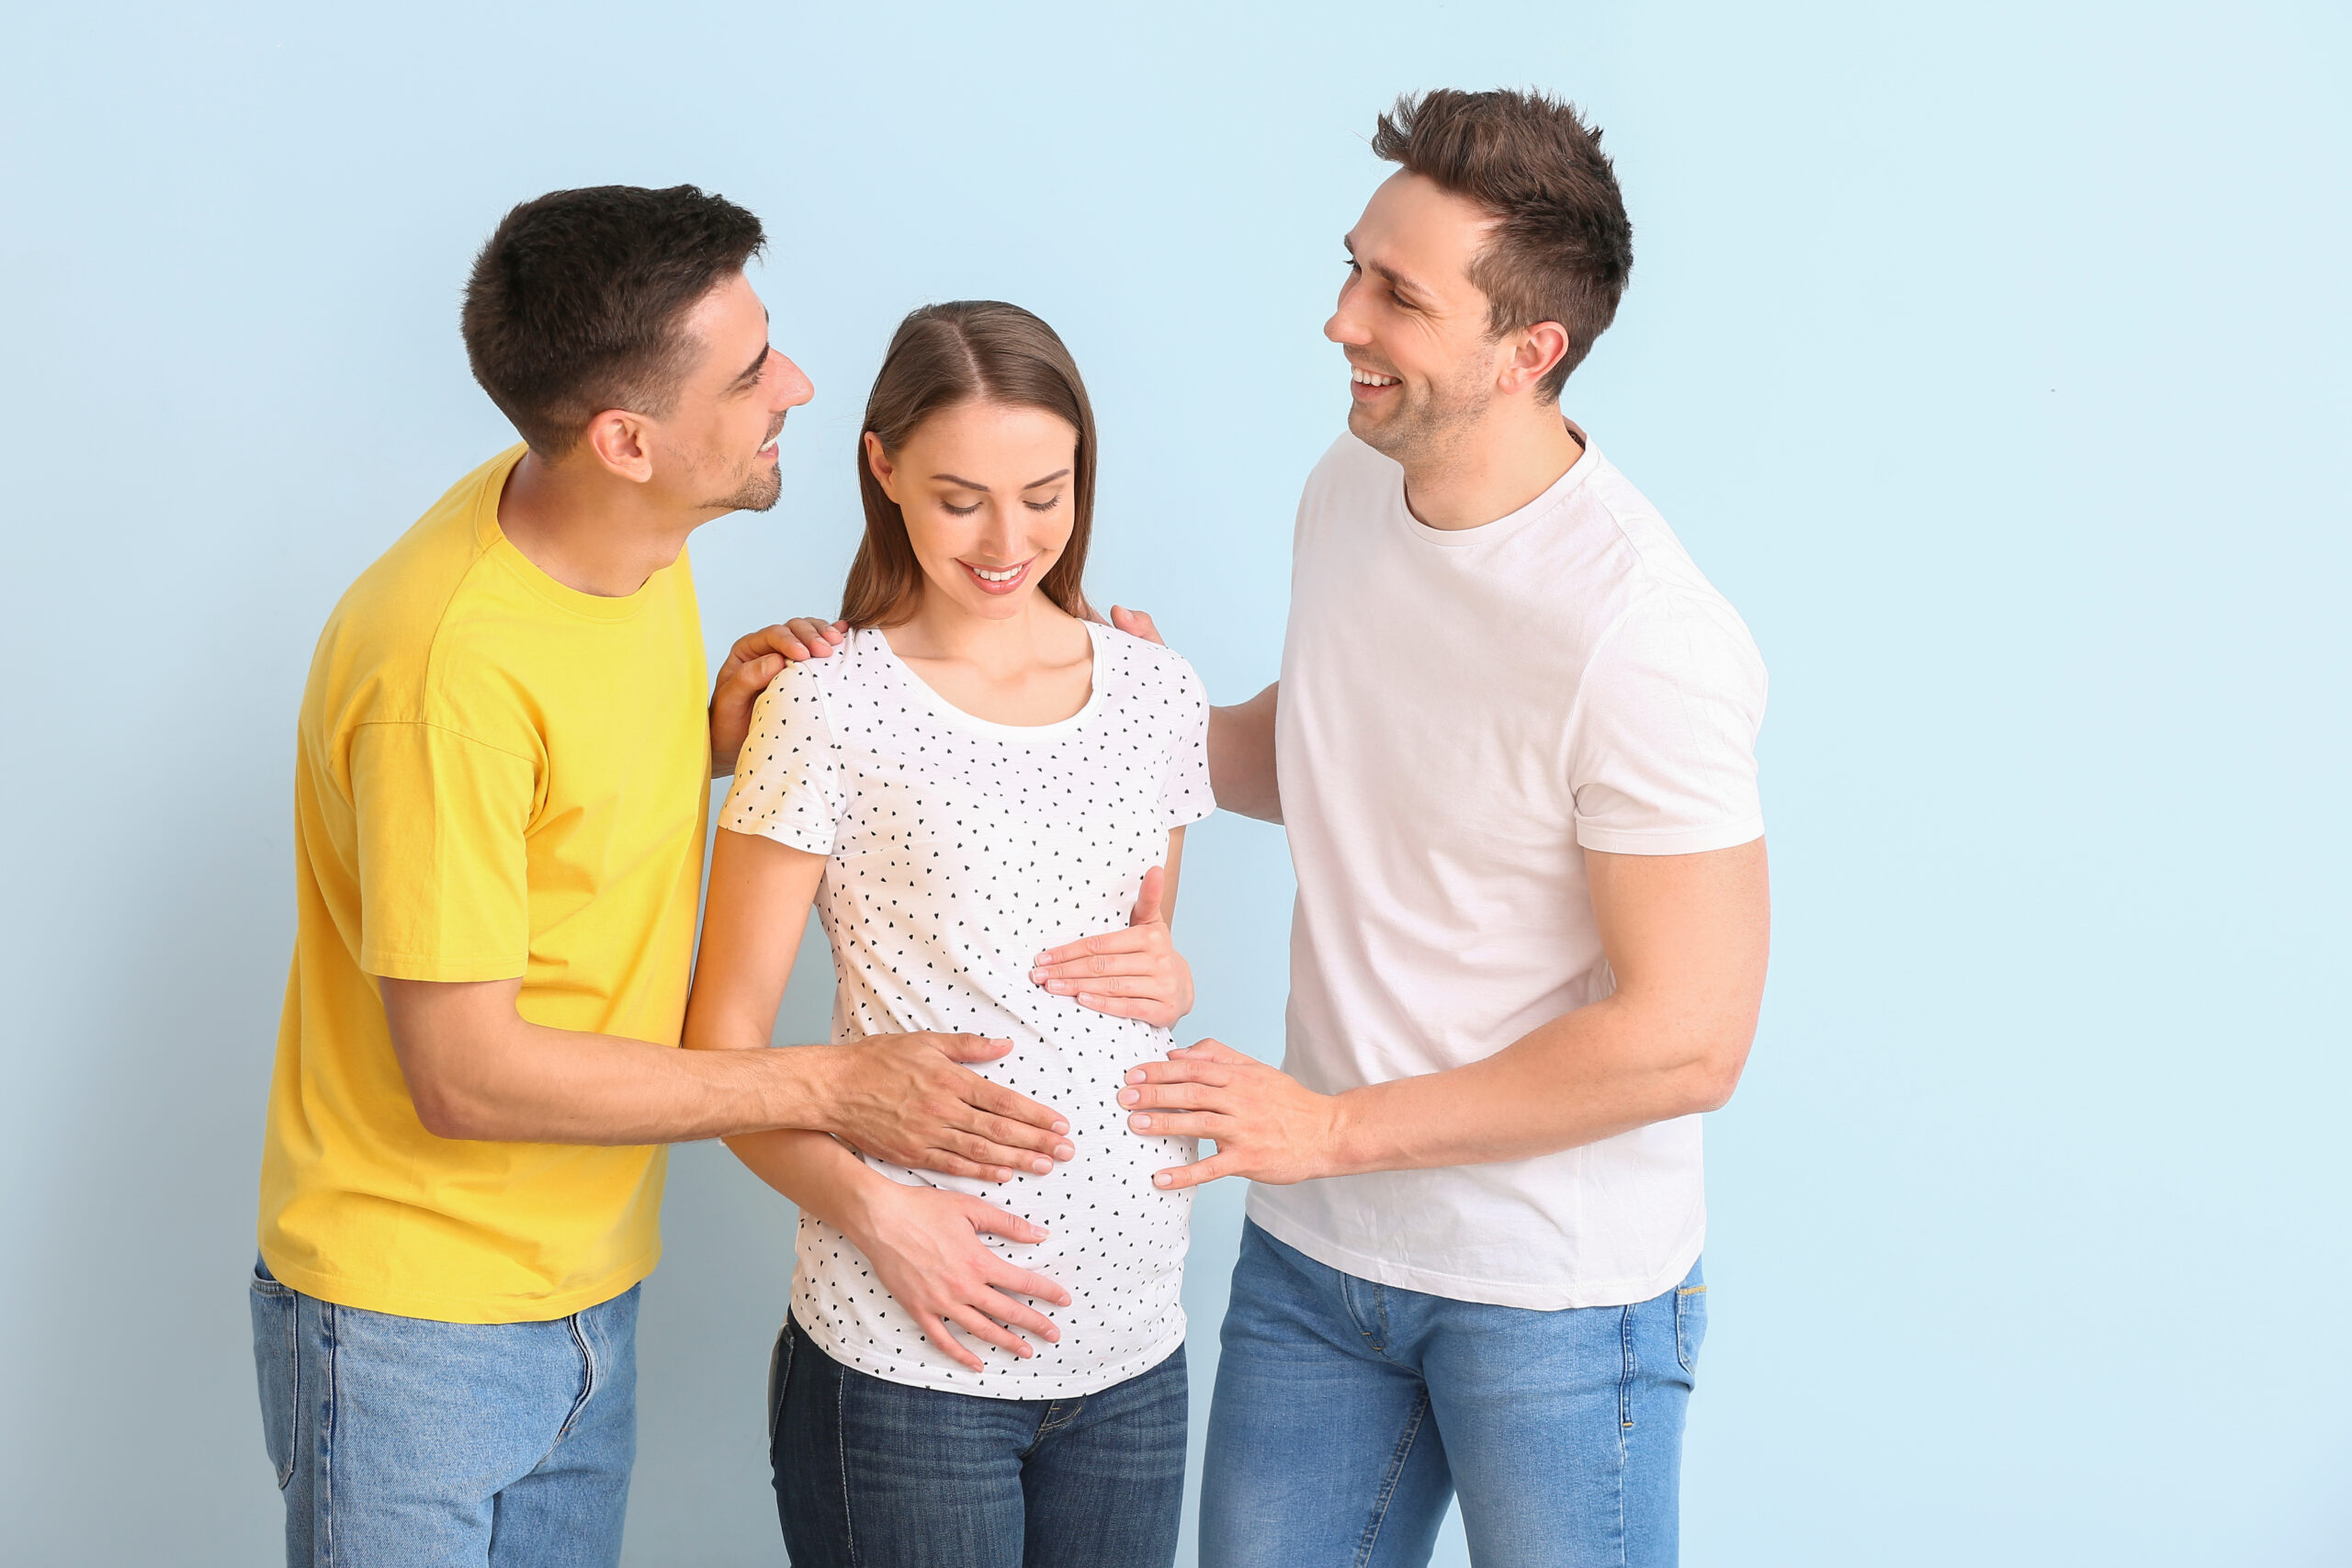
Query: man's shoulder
393, 637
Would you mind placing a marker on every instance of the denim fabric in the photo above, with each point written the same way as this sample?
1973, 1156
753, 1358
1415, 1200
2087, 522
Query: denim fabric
878, 1474
402, 1441
1347, 1414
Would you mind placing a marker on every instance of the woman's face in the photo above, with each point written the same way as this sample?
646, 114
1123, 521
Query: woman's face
987, 492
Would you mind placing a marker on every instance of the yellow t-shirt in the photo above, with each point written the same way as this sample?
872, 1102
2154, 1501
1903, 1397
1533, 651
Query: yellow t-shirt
498, 776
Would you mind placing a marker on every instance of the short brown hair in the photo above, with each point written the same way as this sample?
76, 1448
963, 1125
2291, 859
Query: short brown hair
578, 301
967, 351
1562, 248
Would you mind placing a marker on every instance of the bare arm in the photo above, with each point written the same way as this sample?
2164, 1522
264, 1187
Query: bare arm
476, 1068
923, 1242
1687, 937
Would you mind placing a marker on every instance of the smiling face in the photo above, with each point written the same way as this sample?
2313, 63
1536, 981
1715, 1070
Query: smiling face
1422, 366
986, 489
717, 442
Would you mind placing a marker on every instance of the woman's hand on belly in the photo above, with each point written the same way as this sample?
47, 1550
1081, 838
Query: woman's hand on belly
1135, 973
924, 1244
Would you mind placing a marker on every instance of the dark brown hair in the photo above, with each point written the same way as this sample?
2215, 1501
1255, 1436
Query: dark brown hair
967, 351
577, 303
1562, 248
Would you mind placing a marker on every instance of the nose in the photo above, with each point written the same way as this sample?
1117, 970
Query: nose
792, 386
1344, 327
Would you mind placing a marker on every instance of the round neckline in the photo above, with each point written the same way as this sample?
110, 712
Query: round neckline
534, 577
1510, 523
949, 714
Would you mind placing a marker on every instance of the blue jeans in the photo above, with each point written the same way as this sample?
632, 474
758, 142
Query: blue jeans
876, 1475
1347, 1414
402, 1441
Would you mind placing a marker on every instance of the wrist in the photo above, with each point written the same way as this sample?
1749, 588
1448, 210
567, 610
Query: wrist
1341, 1149
804, 1089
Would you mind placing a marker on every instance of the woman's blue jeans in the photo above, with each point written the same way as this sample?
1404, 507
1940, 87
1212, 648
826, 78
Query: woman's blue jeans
876, 1475
1348, 1415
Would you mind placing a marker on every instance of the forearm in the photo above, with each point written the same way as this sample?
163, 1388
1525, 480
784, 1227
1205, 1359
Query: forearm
1241, 757
819, 1175
1588, 1074
533, 1084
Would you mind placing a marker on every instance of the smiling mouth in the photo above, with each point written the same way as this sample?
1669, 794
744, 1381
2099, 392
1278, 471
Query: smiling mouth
1372, 379
767, 447
998, 579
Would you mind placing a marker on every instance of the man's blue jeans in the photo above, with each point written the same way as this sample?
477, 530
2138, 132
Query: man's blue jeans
401, 1442
876, 1475
1347, 1414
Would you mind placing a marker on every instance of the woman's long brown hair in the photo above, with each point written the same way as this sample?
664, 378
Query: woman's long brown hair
943, 356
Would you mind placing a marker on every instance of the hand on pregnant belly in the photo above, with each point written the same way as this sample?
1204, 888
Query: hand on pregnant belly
1135, 973
924, 1244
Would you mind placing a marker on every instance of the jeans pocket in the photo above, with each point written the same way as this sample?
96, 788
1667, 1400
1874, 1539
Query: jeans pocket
779, 1373
1690, 1322
278, 1370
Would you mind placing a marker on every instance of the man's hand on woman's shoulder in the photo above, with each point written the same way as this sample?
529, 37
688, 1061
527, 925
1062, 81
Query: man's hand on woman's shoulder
756, 659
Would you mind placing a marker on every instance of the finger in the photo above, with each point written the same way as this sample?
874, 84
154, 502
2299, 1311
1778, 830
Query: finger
1182, 1072
1180, 1123
990, 1220
1015, 1313
971, 1047
972, 1146
1127, 940
1023, 1282
1007, 1133
755, 674
981, 1094
1135, 623
821, 636
1147, 910
980, 1325
1200, 1170
1129, 983
1180, 1097
947, 1162
936, 1332
1211, 1051
1156, 1010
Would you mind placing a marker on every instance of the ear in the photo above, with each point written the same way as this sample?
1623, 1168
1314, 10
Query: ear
879, 461
1531, 356
623, 444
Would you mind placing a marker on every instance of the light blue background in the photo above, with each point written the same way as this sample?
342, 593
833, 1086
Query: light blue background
1991, 359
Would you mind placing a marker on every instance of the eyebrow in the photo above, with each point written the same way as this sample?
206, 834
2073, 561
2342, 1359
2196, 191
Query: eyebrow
973, 484
1395, 279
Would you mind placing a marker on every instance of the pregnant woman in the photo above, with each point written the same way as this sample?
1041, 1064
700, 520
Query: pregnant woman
977, 779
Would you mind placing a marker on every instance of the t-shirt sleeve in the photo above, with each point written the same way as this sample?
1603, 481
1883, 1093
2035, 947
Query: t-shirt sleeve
444, 879
1663, 755
1184, 794
786, 787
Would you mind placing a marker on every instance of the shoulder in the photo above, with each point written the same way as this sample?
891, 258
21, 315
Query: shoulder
402, 635
1147, 665
1687, 639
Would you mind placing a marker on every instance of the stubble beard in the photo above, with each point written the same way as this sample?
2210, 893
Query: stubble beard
1424, 430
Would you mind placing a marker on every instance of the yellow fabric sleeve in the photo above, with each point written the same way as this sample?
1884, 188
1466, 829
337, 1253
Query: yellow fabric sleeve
444, 884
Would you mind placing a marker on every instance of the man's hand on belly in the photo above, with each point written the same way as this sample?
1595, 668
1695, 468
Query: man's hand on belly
1268, 1126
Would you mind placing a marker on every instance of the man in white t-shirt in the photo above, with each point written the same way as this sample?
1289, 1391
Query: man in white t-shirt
1513, 747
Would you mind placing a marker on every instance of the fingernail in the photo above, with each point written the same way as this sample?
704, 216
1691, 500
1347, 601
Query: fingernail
1135, 1075
1129, 1097
1162, 1179
1061, 1126
1053, 1336
1043, 1166
1063, 1151
1139, 1122
1036, 973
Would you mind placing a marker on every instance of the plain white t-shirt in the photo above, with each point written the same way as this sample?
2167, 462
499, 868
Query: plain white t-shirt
1463, 714
958, 850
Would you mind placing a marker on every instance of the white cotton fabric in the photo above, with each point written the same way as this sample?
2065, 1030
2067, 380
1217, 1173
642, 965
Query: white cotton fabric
1462, 715
959, 850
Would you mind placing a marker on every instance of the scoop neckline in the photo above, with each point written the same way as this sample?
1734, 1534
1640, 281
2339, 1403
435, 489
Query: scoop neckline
949, 714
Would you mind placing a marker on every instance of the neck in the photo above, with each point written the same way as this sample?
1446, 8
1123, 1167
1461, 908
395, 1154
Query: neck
1496, 467
590, 531
943, 629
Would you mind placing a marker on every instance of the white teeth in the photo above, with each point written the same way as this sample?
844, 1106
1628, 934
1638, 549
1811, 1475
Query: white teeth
1007, 575
1364, 377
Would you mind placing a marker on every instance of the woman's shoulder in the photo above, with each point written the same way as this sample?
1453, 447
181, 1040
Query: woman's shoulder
1148, 663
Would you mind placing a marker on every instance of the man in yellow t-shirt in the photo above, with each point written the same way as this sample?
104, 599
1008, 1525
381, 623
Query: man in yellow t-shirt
499, 799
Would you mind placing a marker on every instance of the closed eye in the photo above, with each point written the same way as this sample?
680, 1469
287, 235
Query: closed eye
1047, 505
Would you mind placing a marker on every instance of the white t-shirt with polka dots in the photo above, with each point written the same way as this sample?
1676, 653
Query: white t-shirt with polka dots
959, 850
